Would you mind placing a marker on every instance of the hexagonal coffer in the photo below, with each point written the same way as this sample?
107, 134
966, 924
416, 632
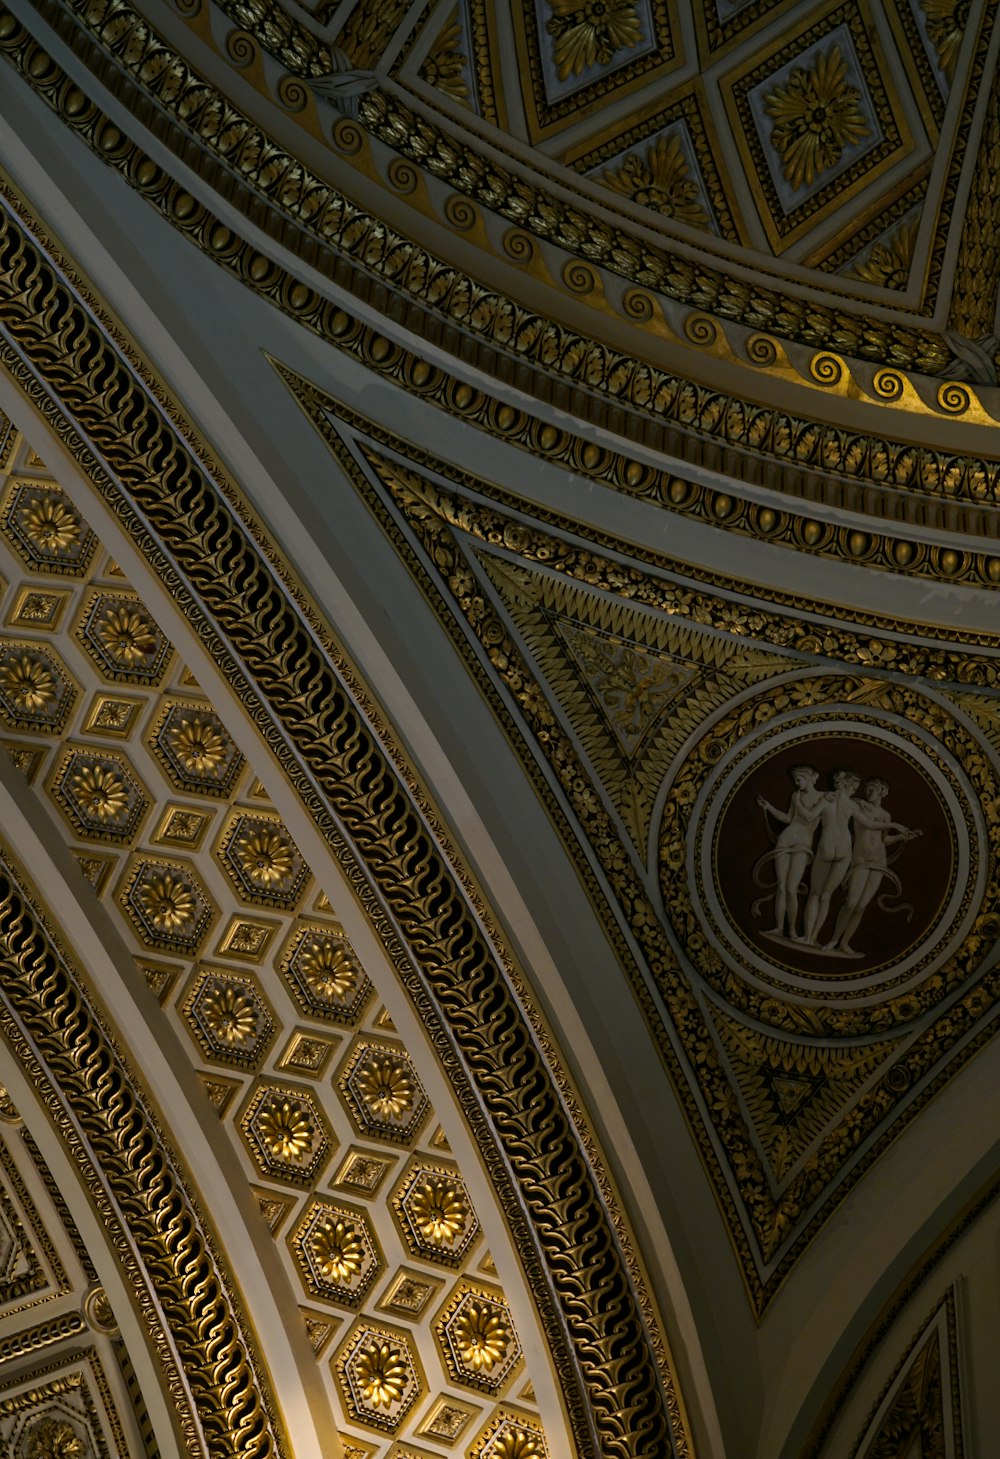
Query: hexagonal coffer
36, 691
122, 638
195, 748
434, 1213
99, 793
324, 974
47, 530
229, 1017
336, 1252
378, 1374
476, 1337
261, 860
166, 903
383, 1094
286, 1132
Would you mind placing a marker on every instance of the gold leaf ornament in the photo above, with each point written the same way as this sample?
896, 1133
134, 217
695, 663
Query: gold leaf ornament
816, 115
888, 263
265, 856
198, 745
385, 1086
127, 636
53, 1439
327, 968
285, 1130
27, 683
659, 180
100, 793
167, 901
51, 525
230, 1015
439, 1211
481, 1336
947, 21
588, 33
338, 1249
383, 1374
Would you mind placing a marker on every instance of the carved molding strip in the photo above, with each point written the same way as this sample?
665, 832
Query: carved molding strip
302, 703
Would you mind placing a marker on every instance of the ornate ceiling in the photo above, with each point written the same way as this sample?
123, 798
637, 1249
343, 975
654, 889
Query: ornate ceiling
498, 552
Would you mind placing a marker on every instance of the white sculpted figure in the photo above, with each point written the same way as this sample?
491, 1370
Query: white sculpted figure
793, 849
875, 831
833, 853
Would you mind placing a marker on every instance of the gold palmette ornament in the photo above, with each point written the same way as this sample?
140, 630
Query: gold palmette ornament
587, 33
816, 115
27, 683
285, 1130
168, 902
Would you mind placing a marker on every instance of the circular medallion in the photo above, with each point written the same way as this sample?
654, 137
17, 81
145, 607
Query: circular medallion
834, 855
830, 854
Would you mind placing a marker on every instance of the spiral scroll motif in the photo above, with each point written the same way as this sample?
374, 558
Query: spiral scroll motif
953, 397
762, 349
241, 48
460, 212
579, 277
293, 93
826, 369
701, 330
638, 305
887, 384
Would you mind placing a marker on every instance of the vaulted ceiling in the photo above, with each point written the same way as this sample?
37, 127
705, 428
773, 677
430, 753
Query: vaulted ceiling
498, 551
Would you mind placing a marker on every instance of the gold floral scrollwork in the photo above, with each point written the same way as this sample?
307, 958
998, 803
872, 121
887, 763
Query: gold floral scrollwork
816, 115
589, 33
444, 64
658, 179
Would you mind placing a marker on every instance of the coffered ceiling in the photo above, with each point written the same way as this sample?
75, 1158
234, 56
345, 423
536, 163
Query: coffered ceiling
498, 565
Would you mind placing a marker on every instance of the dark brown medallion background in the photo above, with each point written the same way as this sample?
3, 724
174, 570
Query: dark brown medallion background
925, 866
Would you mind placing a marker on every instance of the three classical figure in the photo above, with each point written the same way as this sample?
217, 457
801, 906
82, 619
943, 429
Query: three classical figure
842, 840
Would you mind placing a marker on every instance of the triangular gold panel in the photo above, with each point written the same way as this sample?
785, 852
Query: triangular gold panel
447, 66
918, 1417
794, 1092
632, 685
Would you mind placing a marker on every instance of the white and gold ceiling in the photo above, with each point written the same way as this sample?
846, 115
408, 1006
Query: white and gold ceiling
500, 685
